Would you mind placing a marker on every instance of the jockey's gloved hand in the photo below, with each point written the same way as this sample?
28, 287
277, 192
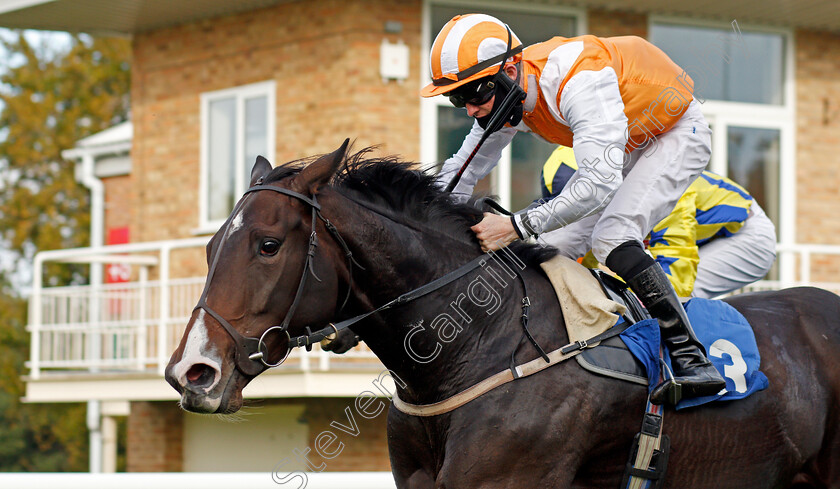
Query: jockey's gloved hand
344, 340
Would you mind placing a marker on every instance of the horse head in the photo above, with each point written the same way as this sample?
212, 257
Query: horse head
261, 264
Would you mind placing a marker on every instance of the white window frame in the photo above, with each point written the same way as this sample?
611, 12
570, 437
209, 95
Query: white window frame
722, 115
240, 93
500, 182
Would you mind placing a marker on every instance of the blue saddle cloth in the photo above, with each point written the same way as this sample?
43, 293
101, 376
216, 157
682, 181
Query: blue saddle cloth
729, 341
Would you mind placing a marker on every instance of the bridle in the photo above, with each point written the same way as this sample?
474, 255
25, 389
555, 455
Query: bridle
251, 352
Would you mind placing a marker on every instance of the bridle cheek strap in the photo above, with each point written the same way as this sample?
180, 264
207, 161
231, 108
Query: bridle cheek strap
244, 345
251, 352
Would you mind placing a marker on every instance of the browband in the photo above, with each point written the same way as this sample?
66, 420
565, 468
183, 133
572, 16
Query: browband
291, 193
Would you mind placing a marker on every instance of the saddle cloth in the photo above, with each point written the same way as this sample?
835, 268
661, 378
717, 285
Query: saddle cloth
589, 309
729, 341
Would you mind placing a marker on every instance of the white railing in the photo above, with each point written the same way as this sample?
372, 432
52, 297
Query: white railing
130, 326
135, 326
220, 480
807, 256
798, 263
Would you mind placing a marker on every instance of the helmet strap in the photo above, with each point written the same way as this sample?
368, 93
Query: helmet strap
507, 106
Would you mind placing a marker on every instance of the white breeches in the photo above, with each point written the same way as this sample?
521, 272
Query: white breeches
655, 177
729, 263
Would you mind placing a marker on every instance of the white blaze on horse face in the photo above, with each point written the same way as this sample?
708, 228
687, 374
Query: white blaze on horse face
198, 350
235, 224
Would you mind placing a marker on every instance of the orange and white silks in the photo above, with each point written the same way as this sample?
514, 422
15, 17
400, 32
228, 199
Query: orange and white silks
654, 92
610, 99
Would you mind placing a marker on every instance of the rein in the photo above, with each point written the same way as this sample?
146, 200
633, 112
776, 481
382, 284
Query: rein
312, 338
251, 352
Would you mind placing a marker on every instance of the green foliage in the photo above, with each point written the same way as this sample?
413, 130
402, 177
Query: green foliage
32, 437
48, 101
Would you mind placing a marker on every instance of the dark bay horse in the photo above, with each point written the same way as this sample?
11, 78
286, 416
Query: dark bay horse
560, 428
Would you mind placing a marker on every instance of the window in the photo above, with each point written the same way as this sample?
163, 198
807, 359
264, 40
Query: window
237, 125
740, 78
753, 161
743, 77
516, 178
727, 64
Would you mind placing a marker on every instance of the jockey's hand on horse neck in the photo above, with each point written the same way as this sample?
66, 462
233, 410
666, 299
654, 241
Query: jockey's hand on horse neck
494, 232
343, 341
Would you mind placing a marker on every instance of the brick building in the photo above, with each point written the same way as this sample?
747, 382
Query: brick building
215, 83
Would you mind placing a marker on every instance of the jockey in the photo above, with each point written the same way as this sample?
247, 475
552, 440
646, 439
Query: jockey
716, 240
638, 136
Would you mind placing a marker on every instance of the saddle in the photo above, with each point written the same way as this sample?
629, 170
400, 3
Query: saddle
593, 302
613, 358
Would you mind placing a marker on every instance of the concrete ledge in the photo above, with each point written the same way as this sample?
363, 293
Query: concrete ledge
152, 387
220, 480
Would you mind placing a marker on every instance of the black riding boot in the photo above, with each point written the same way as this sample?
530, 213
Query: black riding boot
693, 372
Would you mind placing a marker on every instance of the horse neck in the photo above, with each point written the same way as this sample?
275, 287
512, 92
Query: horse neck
441, 342
395, 257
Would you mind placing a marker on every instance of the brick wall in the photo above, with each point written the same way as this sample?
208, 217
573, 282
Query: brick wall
610, 23
118, 202
155, 440
154, 437
367, 451
324, 57
818, 145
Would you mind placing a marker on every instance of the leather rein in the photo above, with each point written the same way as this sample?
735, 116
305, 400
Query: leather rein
251, 352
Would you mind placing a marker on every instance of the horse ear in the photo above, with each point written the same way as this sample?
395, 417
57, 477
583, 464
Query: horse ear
260, 170
321, 170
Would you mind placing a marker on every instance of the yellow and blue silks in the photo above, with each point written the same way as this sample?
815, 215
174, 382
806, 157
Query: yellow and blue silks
712, 207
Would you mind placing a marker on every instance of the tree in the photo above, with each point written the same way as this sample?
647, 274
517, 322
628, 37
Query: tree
49, 100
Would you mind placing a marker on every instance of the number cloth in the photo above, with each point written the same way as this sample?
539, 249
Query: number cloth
728, 339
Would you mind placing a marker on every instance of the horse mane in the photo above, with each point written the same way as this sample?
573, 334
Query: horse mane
406, 194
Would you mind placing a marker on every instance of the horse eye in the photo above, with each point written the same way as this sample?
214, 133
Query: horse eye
269, 247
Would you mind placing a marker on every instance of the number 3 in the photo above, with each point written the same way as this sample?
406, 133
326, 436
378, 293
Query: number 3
738, 368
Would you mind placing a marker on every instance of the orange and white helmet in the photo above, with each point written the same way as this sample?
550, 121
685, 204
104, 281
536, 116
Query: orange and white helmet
469, 47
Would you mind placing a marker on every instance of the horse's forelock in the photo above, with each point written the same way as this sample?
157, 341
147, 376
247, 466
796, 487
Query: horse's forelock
283, 171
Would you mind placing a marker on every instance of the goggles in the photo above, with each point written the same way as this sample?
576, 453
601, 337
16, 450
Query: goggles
477, 92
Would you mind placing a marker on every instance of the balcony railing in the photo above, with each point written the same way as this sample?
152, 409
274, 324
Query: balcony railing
130, 326
134, 326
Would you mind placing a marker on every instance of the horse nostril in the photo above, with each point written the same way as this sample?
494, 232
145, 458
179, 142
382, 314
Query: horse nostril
200, 375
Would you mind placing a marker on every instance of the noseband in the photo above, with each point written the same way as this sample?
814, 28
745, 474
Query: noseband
251, 352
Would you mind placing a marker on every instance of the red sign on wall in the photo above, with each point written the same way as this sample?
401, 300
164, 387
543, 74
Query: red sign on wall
117, 272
